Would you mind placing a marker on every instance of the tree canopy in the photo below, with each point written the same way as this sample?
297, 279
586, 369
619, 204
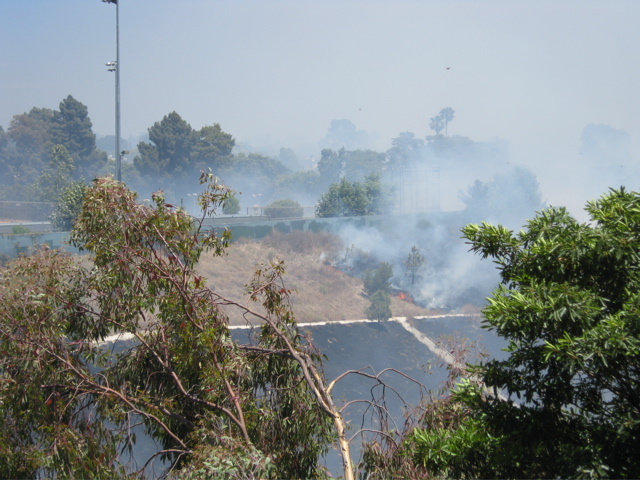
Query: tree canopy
73, 129
68, 400
29, 140
510, 196
176, 149
284, 208
568, 305
345, 199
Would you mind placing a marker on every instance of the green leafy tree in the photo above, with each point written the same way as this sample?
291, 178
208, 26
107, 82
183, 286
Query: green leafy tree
284, 208
377, 285
350, 164
44, 426
26, 154
568, 305
176, 149
231, 206
346, 199
68, 207
212, 148
405, 150
330, 166
170, 151
380, 308
49, 186
213, 405
378, 279
33, 134
414, 264
378, 197
72, 128
19, 230
358, 164
289, 159
57, 185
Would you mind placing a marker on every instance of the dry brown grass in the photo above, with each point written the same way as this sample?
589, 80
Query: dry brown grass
323, 293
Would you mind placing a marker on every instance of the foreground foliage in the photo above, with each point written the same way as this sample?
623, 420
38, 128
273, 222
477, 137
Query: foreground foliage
216, 407
569, 304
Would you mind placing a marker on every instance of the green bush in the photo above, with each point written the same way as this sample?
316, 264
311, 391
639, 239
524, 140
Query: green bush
284, 209
231, 206
19, 230
68, 207
378, 279
380, 306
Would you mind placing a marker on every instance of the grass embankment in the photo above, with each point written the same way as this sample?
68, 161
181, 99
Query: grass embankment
322, 293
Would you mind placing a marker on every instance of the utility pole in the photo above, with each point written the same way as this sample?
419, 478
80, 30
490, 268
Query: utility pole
115, 67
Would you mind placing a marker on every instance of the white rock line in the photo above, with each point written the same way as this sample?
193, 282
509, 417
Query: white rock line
430, 344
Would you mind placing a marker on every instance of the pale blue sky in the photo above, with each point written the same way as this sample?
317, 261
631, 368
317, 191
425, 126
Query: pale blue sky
532, 72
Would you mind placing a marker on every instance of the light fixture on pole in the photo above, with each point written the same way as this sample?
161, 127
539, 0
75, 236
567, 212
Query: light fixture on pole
115, 67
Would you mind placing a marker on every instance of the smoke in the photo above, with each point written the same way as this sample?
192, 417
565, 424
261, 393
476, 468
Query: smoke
476, 181
441, 183
450, 278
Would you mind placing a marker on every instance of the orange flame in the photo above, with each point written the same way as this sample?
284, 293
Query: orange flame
405, 297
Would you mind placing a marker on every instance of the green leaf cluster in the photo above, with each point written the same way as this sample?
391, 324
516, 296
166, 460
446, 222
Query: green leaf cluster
349, 199
377, 285
231, 206
378, 279
215, 406
284, 208
175, 149
379, 309
566, 402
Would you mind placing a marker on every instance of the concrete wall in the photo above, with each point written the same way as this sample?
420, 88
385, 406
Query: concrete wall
241, 227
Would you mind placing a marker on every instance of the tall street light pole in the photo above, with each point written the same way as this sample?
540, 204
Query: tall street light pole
115, 67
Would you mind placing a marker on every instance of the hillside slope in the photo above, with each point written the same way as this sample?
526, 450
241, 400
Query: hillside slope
323, 293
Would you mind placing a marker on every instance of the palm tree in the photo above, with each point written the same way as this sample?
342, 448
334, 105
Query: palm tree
447, 114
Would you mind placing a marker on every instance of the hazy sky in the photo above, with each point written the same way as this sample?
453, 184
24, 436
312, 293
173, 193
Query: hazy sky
532, 72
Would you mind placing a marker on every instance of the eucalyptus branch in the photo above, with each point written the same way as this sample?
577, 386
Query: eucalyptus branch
178, 383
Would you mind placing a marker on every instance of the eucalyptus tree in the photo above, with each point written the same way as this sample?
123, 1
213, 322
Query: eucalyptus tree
216, 406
